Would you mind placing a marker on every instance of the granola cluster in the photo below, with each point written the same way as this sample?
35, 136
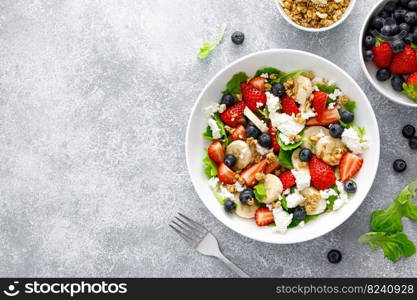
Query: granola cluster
315, 13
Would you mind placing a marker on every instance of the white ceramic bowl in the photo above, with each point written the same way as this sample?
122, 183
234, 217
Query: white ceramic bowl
286, 60
370, 68
342, 19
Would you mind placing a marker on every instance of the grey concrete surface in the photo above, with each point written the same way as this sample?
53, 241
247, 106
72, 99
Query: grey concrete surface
94, 101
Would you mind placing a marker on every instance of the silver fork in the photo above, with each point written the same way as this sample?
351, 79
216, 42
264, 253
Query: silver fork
198, 237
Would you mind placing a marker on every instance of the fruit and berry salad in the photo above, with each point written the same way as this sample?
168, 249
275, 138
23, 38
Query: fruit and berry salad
390, 43
283, 147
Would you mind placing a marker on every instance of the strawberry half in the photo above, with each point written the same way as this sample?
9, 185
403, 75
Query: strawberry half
233, 115
273, 133
226, 175
263, 216
253, 97
289, 106
322, 175
271, 166
350, 164
287, 179
404, 62
382, 54
238, 133
320, 104
215, 152
330, 116
410, 87
258, 82
249, 174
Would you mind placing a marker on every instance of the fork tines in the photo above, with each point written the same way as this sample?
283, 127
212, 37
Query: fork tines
188, 229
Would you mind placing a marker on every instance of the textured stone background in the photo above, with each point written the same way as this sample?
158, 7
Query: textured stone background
94, 100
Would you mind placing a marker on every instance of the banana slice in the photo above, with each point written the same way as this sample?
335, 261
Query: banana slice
245, 211
242, 152
297, 163
330, 150
255, 120
314, 203
273, 188
312, 135
303, 89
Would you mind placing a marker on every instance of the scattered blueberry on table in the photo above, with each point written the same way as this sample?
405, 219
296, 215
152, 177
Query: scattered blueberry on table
334, 256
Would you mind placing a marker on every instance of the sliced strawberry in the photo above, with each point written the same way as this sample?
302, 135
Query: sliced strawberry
238, 133
287, 179
289, 106
258, 82
330, 116
215, 152
233, 115
253, 97
226, 175
320, 104
271, 166
273, 133
263, 216
249, 174
322, 175
349, 166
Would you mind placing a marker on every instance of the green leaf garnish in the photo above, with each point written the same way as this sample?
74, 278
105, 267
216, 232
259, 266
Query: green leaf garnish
208, 134
290, 146
267, 70
284, 202
207, 48
328, 89
307, 219
210, 168
260, 192
285, 160
263, 112
233, 85
294, 74
331, 201
350, 106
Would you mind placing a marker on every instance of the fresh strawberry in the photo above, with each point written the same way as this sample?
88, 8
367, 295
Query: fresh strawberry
273, 133
253, 97
287, 179
410, 87
263, 216
258, 82
226, 175
271, 166
289, 106
238, 133
330, 116
405, 61
249, 174
233, 115
320, 104
322, 175
215, 152
349, 166
382, 54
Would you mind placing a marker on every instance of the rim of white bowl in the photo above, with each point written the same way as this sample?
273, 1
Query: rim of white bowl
365, 69
308, 29
187, 135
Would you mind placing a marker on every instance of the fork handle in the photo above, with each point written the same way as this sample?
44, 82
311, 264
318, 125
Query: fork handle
232, 266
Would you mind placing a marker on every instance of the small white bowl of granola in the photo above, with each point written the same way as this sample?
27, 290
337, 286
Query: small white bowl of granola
315, 15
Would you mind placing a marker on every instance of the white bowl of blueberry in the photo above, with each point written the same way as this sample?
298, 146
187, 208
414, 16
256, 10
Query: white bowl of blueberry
388, 46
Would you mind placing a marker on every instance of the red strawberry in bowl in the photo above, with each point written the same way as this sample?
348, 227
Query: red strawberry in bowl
226, 175
263, 216
252, 97
234, 114
329, 116
349, 166
258, 82
249, 174
322, 175
238, 133
404, 62
287, 179
215, 152
289, 106
410, 86
273, 133
382, 54
320, 104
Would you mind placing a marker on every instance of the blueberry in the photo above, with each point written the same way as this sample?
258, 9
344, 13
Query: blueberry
368, 55
377, 22
399, 165
369, 42
397, 83
228, 100
410, 18
238, 37
386, 30
278, 89
414, 37
265, 140
229, 206
230, 160
350, 186
305, 154
334, 256
404, 3
347, 116
390, 21
383, 74
413, 143
336, 130
412, 5
383, 14
405, 27
399, 15
398, 46
409, 131
245, 196
390, 7
299, 213
395, 29
252, 131
409, 38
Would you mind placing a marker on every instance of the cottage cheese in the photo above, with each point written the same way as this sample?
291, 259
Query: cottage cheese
326, 194
212, 109
265, 75
215, 130
294, 199
302, 179
282, 220
352, 140
286, 124
262, 150
272, 103
336, 94
286, 140
239, 187
343, 196
213, 182
225, 194
309, 113
222, 108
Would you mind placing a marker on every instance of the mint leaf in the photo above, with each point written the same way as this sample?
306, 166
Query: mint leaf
260, 192
328, 89
350, 106
285, 160
233, 85
210, 168
394, 246
290, 146
207, 48
267, 70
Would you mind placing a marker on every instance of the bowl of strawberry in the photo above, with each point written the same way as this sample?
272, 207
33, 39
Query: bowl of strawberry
388, 47
282, 146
